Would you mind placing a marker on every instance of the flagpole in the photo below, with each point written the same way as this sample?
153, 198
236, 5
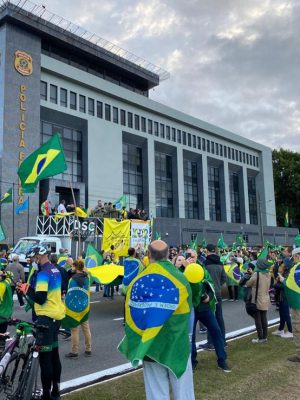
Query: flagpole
76, 216
13, 213
28, 217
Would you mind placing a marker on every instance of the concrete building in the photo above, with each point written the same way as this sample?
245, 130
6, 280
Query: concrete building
193, 177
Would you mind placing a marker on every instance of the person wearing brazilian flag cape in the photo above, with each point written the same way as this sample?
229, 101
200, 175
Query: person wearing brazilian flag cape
157, 315
78, 309
292, 291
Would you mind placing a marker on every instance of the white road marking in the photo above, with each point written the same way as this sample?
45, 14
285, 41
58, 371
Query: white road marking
118, 319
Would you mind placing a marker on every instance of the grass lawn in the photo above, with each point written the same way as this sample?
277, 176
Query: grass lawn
258, 372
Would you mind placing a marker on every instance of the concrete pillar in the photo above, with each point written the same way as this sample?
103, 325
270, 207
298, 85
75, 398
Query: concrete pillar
151, 178
246, 197
180, 183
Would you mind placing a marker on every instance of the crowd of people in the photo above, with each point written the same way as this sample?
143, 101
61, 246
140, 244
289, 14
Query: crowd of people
101, 210
56, 282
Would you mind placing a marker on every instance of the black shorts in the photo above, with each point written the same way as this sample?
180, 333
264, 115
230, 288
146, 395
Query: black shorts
47, 339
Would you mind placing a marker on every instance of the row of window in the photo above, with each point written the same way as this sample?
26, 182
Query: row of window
134, 121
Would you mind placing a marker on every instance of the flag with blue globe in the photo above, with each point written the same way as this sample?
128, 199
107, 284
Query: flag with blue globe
157, 313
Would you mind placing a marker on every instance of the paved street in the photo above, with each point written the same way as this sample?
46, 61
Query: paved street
107, 331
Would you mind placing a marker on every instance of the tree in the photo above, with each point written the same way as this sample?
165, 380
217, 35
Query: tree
286, 170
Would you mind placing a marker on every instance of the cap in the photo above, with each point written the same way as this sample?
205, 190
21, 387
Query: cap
211, 248
296, 251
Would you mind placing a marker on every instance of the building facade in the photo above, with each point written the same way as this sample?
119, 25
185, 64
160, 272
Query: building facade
191, 176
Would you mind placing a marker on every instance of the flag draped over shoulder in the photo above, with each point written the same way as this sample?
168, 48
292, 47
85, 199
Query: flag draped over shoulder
77, 302
62, 260
132, 267
104, 274
233, 272
48, 160
7, 197
157, 313
116, 233
292, 287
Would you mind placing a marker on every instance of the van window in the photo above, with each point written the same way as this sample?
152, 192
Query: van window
51, 246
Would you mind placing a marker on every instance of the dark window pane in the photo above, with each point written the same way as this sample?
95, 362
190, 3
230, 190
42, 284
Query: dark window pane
150, 126
53, 94
91, 106
99, 109
155, 128
123, 117
143, 123
63, 97
129, 120
82, 103
162, 130
136, 122
115, 115
73, 101
178, 135
107, 112
168, 133
43, 90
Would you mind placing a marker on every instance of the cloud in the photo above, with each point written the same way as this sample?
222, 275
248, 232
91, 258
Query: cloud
233, 63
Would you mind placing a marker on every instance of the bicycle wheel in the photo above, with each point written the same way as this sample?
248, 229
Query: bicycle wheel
12, 375
29, 379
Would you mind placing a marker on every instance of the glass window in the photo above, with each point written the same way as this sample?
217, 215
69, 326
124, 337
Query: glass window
212, 147
53, 94
250, 159
150, 126
123, 117
136, 122
72, 144
244, 157
184, 137
247, 158
194, 141
133, 175
43, 91
191, 189
199, 142
173, 134
63, 97
221, 150
189, 139
99, 109
225, 151
232, 154
82, 103
107, 111
236, 155
143, 123
203, 144
168, 132
115, 115
208, 146
214, 193
129, 119
156, 128
178, 135
240, 156
162, 130
234, 197
91, 106
217, 149
163, 185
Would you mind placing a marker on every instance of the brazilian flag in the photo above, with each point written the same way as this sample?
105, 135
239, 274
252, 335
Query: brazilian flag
48, 160
7, 197
157, 313
233, 272
292, 287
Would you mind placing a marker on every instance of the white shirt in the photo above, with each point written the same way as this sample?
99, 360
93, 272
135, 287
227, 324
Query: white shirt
61, 209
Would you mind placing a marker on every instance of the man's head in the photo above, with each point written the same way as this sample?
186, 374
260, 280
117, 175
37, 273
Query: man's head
78, 265
211, 249
99, 202
53, 258
192, 256
158, 250
61, 251
15, 258
131, 252
63, 202
296, 254
287, 252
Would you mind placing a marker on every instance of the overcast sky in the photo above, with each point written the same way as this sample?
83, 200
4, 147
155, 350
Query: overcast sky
233, 63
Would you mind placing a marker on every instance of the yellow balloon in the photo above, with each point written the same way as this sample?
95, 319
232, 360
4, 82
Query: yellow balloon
194, 273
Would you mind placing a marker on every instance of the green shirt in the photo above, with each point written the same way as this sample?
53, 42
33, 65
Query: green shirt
6, 300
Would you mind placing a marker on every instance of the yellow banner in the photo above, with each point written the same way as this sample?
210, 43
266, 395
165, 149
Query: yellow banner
116, 233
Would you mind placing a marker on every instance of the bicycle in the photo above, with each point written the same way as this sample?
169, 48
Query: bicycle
19, 363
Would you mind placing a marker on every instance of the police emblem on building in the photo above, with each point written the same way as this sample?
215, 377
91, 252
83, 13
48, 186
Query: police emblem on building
23, 63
